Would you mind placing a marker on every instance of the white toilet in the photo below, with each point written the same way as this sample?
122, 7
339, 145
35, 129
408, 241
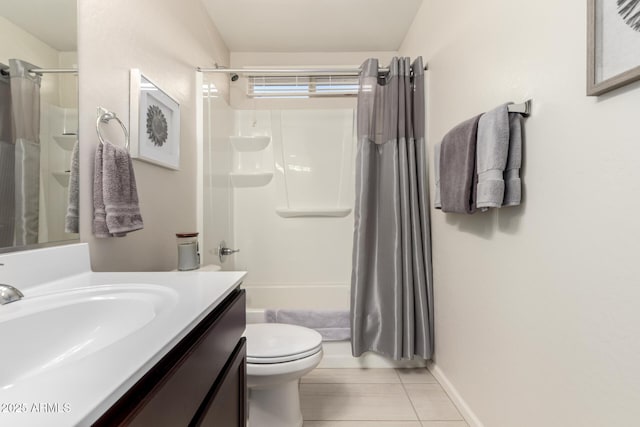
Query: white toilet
277, 356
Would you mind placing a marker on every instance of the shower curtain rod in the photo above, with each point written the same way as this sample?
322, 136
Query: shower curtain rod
351, 71
54, 70
40, 71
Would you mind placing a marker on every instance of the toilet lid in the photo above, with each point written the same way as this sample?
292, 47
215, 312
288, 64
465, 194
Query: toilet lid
278, 342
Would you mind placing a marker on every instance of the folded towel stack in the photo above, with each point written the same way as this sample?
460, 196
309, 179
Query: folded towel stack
333, 325
480, 166
116, 211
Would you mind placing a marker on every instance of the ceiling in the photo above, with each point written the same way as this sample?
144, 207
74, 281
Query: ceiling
52, 21
312, 25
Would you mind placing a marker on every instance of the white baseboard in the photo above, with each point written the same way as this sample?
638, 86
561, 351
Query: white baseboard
457, 399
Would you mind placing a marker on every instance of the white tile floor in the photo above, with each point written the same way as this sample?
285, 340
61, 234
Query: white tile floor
376, 398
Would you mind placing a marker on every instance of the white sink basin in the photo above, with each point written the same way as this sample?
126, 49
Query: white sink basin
43, 332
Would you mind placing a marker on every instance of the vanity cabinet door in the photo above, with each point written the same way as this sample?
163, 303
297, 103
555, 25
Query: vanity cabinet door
172, 392
226, 404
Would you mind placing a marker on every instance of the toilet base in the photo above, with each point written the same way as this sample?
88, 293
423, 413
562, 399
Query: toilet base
275, 406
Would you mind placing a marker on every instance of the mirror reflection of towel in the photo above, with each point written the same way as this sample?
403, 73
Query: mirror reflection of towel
71, 223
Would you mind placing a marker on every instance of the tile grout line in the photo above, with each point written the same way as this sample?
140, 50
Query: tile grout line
395, 371
446, 394
406, 393
404, 389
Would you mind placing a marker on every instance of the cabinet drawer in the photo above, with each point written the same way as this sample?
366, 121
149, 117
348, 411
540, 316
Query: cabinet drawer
173, 390
226, 403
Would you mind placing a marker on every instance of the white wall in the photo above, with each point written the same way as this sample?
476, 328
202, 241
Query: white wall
19, 44
166, 40
537, 306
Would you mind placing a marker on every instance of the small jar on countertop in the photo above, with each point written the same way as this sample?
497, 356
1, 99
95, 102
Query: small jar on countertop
188, 251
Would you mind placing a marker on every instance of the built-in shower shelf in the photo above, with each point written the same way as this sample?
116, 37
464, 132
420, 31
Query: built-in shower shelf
251, 179
62, 177
315, 212
250, 143
66, 142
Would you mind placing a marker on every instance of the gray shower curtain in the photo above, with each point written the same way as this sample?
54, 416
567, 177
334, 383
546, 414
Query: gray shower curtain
391, 281
7, 159
19, 155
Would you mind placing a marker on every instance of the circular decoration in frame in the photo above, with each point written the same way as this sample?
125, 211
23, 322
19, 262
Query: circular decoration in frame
157, 128
155, 123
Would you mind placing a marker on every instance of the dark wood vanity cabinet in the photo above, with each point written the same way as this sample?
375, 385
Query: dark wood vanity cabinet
200, 382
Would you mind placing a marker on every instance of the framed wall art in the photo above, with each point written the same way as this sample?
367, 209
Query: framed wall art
613, 44
154, 122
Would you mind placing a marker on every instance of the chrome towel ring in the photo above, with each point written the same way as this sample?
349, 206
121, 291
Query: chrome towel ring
104, 116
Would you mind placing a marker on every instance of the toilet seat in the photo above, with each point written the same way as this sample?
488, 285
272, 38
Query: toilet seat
269, 343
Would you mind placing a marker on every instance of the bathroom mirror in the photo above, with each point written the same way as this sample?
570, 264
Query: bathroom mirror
38, 121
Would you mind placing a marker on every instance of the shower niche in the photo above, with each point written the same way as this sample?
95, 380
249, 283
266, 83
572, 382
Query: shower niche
251, 151
310, 152
314, 163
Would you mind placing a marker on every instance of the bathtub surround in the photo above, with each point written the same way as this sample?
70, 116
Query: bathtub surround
391, 277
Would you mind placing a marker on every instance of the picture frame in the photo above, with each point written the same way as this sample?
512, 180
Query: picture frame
613, 43
154, 123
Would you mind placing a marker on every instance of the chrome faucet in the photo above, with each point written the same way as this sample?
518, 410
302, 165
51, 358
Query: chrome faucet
9, 294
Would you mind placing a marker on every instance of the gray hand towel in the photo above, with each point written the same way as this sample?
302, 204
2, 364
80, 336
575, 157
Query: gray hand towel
458, 168
115, 195
99, 224
491, 155
436, 170
71, 219
513, 186
120, 191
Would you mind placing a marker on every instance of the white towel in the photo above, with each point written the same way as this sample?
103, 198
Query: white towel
116, 211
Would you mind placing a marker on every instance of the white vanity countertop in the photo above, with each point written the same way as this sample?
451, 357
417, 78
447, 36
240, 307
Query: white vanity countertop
77, 391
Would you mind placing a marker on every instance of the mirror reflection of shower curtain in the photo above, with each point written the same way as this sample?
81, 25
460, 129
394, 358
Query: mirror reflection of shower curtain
391, 281
7, 159
20, 143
